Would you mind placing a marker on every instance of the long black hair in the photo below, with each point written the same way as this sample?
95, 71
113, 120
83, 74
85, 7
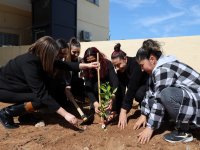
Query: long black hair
149, 47
146, 53
62, 44
92, 51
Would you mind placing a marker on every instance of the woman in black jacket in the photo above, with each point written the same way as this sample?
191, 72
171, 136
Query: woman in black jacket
60, 81
22, 82
77, 82
131, 77
107, 74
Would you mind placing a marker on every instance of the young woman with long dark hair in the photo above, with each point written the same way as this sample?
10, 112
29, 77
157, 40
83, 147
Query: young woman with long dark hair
107, 74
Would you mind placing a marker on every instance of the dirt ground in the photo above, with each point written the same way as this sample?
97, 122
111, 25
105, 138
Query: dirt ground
59, 135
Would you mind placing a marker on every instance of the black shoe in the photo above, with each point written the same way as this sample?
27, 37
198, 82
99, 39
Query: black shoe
7, 120
178, 136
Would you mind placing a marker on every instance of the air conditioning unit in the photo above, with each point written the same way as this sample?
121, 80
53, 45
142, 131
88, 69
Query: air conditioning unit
86, 36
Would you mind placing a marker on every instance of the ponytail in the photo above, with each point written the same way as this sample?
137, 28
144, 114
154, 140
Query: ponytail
118, 52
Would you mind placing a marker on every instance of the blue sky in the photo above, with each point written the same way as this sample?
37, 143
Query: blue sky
136, 19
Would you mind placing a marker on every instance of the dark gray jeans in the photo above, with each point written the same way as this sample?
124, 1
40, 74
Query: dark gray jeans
171, 99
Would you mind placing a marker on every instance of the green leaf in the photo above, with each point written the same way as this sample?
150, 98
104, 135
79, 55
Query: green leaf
106, 94
108, 88
114, 91
106, 97
103, 88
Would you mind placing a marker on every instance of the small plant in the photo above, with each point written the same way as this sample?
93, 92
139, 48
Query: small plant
106, 95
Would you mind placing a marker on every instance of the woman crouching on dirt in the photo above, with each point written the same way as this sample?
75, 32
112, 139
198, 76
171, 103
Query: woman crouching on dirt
173, 87
131, 77
22, 82
107, 74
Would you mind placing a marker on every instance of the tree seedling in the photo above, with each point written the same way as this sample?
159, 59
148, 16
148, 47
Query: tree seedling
106, 97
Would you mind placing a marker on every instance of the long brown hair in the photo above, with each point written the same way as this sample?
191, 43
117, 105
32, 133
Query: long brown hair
47, 49
73, 42
92, 51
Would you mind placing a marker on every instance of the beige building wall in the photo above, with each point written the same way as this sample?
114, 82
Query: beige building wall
94, 19
16, 21
186, 49
7, 53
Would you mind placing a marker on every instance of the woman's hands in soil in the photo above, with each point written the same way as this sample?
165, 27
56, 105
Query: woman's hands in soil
97, 106
122, 119
140, 122
145, 135
71, 119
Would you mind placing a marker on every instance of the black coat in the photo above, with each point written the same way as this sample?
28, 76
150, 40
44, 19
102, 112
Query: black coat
25, 74
132, 78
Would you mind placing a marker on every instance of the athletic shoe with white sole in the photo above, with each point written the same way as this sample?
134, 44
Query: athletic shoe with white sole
178, 136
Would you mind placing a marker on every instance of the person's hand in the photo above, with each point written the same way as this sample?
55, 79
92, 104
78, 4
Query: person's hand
96, 107
71, 119
91, 65
94, 65
109, 105
145, 135
122, 119
140, 122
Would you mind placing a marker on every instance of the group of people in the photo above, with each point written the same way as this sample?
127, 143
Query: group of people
52, 71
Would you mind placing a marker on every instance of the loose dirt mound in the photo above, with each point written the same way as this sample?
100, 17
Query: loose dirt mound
58, 135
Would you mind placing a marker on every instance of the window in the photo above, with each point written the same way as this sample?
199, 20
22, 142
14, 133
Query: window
8, 39
96, 2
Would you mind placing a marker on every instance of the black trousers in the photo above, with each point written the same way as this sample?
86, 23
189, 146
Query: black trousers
18, 98
139, 95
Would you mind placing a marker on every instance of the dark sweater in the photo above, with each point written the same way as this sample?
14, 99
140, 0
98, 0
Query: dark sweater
132, 78
24, 74
91, 84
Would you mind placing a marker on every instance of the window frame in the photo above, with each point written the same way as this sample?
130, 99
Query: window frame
9, 39
95, 2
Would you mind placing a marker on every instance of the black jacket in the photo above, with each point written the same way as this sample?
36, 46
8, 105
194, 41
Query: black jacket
132, 78
24, 74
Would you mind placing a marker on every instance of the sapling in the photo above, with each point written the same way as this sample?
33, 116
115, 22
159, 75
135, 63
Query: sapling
106, 94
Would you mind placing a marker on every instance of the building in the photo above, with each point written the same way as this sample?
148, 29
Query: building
24, 21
